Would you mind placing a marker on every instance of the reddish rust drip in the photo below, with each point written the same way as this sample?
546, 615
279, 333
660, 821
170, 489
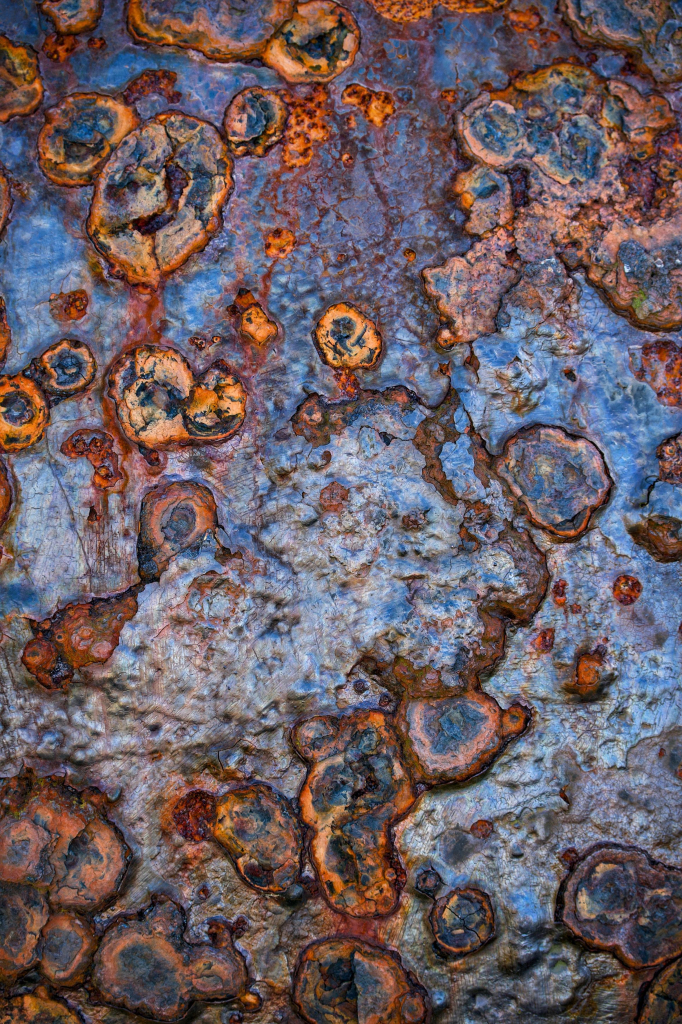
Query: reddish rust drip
195, 815
612, 900
59, 48
5, 332
5, 495
153, 80
98, 448
78, 635
627, 589
65, 307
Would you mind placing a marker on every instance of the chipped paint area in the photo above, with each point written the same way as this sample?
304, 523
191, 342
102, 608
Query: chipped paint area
341, 510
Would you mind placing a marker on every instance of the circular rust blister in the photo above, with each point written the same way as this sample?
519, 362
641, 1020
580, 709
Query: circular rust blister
22, 86
80, 134
616, 898
254, 121
64, 369
559, 478
462, 922
24, 413
23, 913
67, 945
159, 197
348, 981
173, 518
347, 339
318, 43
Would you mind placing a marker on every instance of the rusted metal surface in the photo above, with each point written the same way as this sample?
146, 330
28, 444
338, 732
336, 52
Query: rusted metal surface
340, 499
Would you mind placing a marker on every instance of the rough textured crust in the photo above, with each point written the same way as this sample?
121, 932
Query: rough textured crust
160, 197
347, 339
218, 29
22, 86
80, 134
254, 121
70, 17
24, 413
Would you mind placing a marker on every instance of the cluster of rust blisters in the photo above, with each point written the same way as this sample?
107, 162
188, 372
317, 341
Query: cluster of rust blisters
366, 769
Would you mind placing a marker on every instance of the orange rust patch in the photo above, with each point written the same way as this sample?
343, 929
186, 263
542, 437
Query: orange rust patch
660, 535
253, 323
65, 307
318, 43
77, 636
544, 641
67, 945
98, 448
527, 19
24, 413
59, 48
626, 589
482, 829
346, 338
195, 815
334, 497
377, 106
70, 18
254, 121
280, 243
661, 368
588, 679
307, 124
153, 81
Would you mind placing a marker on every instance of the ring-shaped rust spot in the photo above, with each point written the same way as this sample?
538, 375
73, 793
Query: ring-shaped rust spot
80, 134
64, 369
173, 518
34, 1009
616, 898
145, 966
356, 788
254, 121
66, 948
221, 30
159, 198
560, 479
348, 981
21, 85
318, 43
24, 413
462, 922
627, 589
259, 830
347, 339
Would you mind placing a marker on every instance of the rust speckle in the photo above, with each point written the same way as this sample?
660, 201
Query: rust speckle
153, 80
669, 455
59, 48
462, 922
661, 368
98, 448
65, 307
280, 243
559, 592
377, 106
482, 829
195, 815
626, 589
308, 123
544, 641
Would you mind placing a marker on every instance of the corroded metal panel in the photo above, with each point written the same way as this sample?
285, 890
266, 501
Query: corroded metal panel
340, 499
